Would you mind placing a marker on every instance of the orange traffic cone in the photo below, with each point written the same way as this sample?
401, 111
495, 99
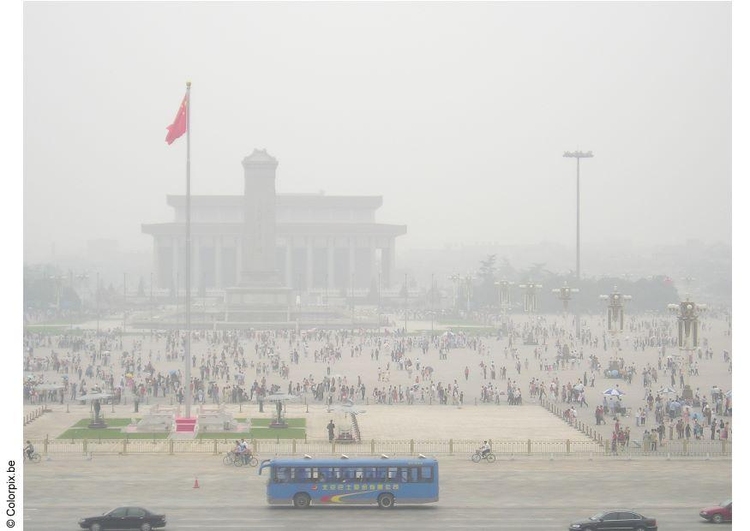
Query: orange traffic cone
195, 485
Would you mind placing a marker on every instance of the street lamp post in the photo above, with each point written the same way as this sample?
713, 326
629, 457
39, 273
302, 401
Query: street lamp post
687, 322
615, 310
565, 294
578, 155
530, 299
455, 278
469, 279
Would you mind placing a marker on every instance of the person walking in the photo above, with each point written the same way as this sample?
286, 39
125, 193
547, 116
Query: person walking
331, 427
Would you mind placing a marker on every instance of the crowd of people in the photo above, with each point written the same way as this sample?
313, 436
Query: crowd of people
536, 358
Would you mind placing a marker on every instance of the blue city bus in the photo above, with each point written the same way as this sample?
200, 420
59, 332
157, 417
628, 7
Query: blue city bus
343, 481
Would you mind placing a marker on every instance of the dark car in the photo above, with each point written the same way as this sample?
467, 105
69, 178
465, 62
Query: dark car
718, 513
615, 519
124, 518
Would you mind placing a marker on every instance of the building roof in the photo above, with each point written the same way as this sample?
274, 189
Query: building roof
308, 201
282, 229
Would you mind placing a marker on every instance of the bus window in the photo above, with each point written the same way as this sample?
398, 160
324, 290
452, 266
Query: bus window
302, 475
281, 474
349, 474
392, 473
322, 474
426, 474
413, 474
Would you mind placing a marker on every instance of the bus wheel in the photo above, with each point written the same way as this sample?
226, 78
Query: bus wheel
301, 500
385, 501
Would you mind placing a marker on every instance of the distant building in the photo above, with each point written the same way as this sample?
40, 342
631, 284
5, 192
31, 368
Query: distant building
322, 242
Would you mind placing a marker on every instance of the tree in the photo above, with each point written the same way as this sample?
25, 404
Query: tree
486, 293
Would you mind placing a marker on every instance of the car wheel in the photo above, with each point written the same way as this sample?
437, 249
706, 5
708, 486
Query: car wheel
717, 519
146, 527
385, 501
641, 529
301, 500
96, 527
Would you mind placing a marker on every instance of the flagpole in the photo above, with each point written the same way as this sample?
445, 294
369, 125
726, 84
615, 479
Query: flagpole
188, 392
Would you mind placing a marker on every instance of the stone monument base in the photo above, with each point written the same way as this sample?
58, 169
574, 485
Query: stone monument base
258, 305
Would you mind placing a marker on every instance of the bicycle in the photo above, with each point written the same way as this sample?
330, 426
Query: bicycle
477, 457
233, 458
35, 457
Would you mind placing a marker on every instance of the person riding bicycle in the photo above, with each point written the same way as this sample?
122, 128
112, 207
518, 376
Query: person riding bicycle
484, 449
244, 451
28, 449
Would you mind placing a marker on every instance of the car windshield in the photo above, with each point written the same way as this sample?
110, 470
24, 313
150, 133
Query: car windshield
725, 503
597, 516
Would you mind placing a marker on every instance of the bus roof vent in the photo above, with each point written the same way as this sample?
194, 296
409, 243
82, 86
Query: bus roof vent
344, 456
422, 456
383, 456
307, 456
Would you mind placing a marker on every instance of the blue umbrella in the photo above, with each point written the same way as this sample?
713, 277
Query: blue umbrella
613, 392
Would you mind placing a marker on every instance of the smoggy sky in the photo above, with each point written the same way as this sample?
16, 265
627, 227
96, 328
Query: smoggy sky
458, 114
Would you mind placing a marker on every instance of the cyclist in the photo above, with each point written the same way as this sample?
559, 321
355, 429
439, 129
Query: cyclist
484, 449
28, 449
244, 451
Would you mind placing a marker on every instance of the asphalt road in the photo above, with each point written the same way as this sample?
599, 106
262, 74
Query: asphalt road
536, 494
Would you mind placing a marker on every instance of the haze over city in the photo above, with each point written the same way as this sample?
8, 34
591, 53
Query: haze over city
457, 114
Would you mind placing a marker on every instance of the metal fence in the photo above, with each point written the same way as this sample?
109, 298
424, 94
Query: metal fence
410, 447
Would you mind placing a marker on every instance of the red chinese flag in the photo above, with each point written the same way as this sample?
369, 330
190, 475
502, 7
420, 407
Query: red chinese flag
179, 126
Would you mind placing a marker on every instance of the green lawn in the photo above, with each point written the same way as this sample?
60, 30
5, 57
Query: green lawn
108, 433
260, 430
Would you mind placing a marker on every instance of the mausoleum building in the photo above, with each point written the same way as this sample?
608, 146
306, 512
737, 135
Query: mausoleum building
321, 241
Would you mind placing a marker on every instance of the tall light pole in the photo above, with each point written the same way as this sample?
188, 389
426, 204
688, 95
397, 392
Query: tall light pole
97, 307
432, 305
406, 302
578, 155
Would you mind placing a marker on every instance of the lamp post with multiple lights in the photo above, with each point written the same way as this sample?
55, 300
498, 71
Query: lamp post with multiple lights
687, 322
615, 310
565, 294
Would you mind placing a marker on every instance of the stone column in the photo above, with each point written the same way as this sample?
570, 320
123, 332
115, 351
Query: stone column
309, 263
155, 264
289, 281
331, 257
196, 267
350, 274
218, 262
175, 263
238, 261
